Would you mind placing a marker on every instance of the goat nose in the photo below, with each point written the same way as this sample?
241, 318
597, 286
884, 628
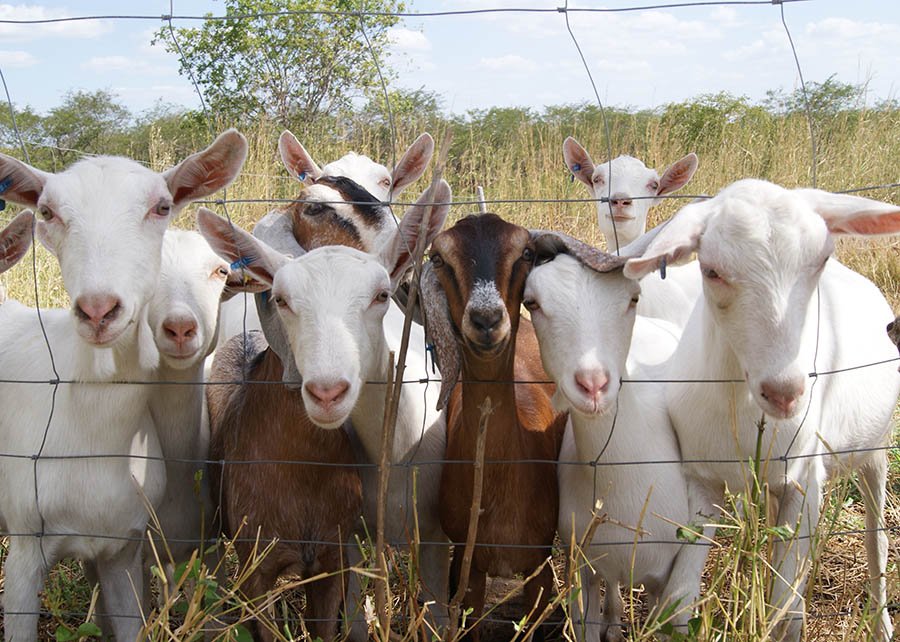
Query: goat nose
784, 396
592, 382
180, 329
327, 393
486, 320
97, 309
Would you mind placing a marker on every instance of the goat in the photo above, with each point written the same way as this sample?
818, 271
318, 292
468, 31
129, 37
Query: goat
471, 293
183, 316
87, 456
333, 305
632, 189
331, 208
775, 307
893, 332
584, 313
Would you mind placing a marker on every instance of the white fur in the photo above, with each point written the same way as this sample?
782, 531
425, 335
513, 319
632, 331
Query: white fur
586, 325
239, 314
191, 281
103, 221
632, 189
342, 326
773, 311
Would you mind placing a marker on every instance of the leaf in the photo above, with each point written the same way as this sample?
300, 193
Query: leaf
64, 634
690, 533
241, 634
783, 532
89, 630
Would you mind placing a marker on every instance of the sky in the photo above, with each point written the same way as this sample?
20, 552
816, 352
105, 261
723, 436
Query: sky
638, 59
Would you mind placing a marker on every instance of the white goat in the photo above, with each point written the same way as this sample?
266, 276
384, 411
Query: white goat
775, 308
632, 189
307, 221
183, 316
334, 304
85, 451
584, 313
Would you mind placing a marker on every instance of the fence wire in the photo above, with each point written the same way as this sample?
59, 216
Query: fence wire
57, 382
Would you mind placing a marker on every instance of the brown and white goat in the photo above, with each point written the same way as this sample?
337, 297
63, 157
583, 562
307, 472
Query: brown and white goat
472, 290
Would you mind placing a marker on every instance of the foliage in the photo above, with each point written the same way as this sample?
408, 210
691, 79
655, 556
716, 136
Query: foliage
298, 62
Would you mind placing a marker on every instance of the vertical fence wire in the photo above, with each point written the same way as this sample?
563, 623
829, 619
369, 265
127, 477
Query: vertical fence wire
360, 15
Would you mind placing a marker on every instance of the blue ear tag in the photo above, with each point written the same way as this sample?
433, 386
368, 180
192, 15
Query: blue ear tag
244, 261
4, 185
575, 168
662, 268
302, 176
265, 297
429, 348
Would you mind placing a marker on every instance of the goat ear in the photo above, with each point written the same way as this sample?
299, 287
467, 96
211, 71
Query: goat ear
296, 159
207, 171
547, 245
397, 254
240, 248
678, 174
413, 163
15, 239
846, 214
672, 243
439, 330
579, 162
19, 182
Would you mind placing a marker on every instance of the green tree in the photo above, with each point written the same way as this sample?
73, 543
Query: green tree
86, 121
287, 60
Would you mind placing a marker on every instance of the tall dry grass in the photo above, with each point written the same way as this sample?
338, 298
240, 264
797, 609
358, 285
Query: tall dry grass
518, 161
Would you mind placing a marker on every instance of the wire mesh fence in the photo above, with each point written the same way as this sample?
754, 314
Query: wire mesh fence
57, 383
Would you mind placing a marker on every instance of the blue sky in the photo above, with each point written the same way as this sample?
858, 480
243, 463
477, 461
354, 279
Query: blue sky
638, 59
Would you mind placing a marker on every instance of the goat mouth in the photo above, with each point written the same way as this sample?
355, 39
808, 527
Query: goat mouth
621, 218
488, 348
100, 337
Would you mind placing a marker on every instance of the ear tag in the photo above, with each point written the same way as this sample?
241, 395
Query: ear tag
5, 184
265, 297
244, 261
662, 268
429, 348
302, 176
575, 168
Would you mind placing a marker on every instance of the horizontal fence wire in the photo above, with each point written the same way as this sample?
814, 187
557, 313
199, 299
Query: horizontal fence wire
57, 382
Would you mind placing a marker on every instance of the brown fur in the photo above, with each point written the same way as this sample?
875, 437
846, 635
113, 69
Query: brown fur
291, 501
520, 502
317, 503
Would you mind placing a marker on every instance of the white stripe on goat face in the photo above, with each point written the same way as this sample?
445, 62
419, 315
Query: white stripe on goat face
109, 256
486, 319
375, 178
332, 302
762, 260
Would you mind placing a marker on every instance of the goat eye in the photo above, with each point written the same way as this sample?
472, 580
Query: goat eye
222, 272
528, 254
531, 305
382, 297
163, 208
711, 274
385, 181
46, 213
598, 180
654, 186
279, 301
436, 260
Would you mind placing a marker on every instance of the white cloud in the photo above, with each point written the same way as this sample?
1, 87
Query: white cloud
408, 40
509, 63
28, 32
107, 64
17, 59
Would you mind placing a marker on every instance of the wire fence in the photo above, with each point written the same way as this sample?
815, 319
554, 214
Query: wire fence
58, 384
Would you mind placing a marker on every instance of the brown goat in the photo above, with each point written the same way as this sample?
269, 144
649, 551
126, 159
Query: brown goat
472, 291
319, 503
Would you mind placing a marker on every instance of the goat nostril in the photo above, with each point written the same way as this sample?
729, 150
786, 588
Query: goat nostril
180, 330
592, 382
97, 309
327, 393
486, 321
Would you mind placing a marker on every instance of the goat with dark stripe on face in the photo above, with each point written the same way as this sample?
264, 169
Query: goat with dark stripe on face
342, 202
472, 291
